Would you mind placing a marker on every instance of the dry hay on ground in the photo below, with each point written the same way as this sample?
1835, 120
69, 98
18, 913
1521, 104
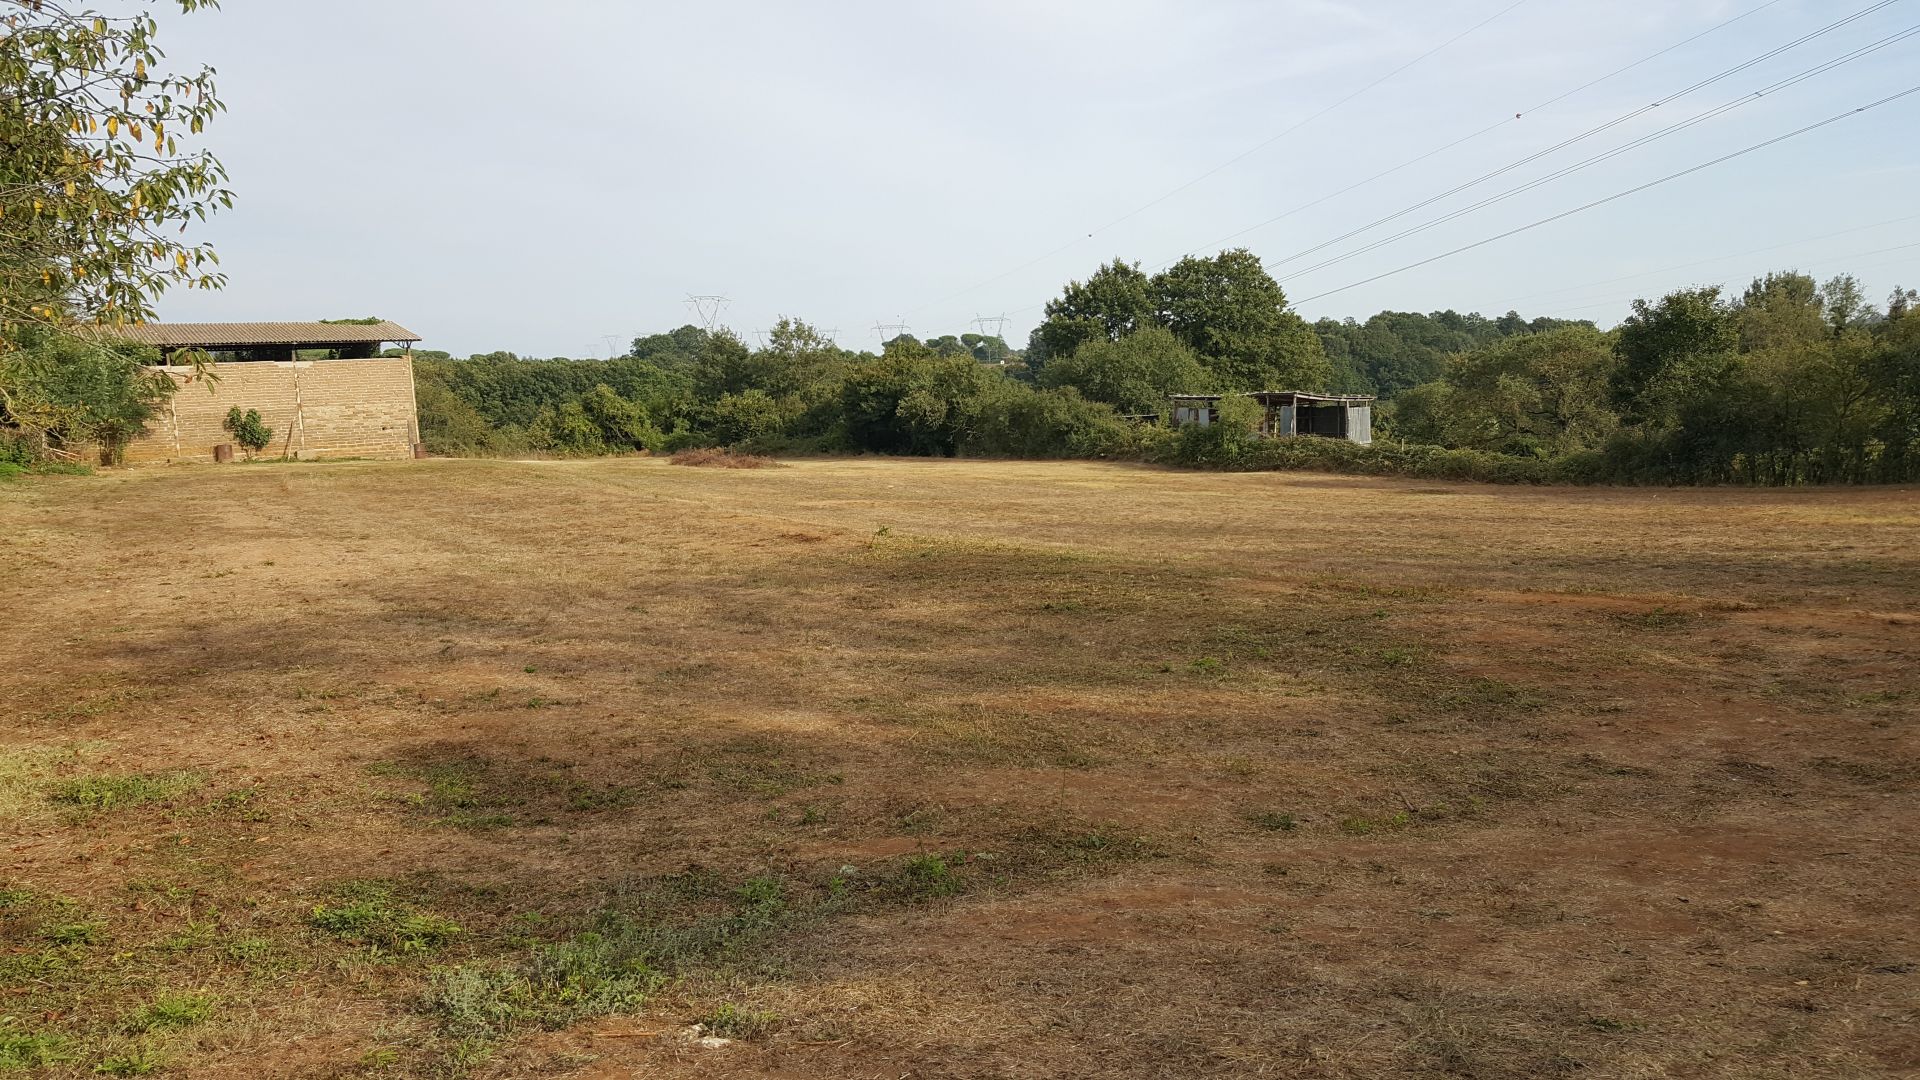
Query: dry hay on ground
937, 769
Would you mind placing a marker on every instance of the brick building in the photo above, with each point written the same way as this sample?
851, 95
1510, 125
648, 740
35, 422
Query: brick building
323, 388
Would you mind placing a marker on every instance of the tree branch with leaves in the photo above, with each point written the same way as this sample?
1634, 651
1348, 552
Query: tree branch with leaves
96, 186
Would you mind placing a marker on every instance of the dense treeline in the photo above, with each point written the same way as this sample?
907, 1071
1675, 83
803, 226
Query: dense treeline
1791, 382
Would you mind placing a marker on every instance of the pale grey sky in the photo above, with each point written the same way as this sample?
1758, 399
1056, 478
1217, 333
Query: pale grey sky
546, 177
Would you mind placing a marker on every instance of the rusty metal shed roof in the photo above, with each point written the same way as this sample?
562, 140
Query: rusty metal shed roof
1281, 397
246, 334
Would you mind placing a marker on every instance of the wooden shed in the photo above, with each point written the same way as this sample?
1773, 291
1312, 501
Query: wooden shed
1290, 412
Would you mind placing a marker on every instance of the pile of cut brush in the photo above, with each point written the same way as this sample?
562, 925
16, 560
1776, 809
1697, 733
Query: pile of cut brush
721, 458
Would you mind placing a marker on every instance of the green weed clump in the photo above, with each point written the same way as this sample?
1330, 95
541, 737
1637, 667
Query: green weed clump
94, 794
594, 974
169, 1012
139, 1061
922, 878
1273, 821
369, 916
614, 964
22, 1050
730, 1021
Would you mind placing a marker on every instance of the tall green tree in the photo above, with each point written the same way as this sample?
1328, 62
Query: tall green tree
1527, 394
1673, 353
912, 400
1134, 374
1114, 302
1781, 310
1231, 312
1846, 305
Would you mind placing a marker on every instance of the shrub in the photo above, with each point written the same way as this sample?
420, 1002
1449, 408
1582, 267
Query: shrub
248, 430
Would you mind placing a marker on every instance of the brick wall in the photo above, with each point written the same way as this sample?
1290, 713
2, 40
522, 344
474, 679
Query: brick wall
316, 408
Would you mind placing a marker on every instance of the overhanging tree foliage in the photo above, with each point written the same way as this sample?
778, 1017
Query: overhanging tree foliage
94, 182
95, 189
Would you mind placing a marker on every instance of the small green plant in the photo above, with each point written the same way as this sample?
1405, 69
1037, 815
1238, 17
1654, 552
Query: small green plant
22, 1050
248, 430
925, 877
139, 1061
170, 1011
78, 933
1273, 821
733, 1022
1208, 666
370, 916
1365, 826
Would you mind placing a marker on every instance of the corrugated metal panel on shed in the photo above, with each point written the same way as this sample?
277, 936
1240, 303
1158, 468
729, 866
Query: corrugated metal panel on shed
227, 335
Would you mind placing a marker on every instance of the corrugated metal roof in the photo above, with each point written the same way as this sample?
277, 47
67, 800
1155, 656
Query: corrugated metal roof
219, 335
1271, 397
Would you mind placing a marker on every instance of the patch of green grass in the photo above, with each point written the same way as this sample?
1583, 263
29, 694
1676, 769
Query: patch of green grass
1273, 821
242, 803
368, 915
107, 792
138, 1061
170, 1011
22, 1050
73, 933
13, 470
478, 793
616, 961
730, 1021
923, 877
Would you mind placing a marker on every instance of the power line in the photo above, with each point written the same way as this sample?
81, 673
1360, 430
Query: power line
1230, 162
1590, 132
1464, 139
1832, 259
1644, 140
1706, 262
1836, 118
1296, 127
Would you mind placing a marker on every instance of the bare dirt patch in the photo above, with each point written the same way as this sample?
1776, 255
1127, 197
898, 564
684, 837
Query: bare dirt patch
916, 768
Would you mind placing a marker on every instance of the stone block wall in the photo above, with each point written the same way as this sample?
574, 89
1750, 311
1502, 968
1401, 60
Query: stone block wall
316, 408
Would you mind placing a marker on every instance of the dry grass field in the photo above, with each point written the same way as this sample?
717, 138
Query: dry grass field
953, 769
